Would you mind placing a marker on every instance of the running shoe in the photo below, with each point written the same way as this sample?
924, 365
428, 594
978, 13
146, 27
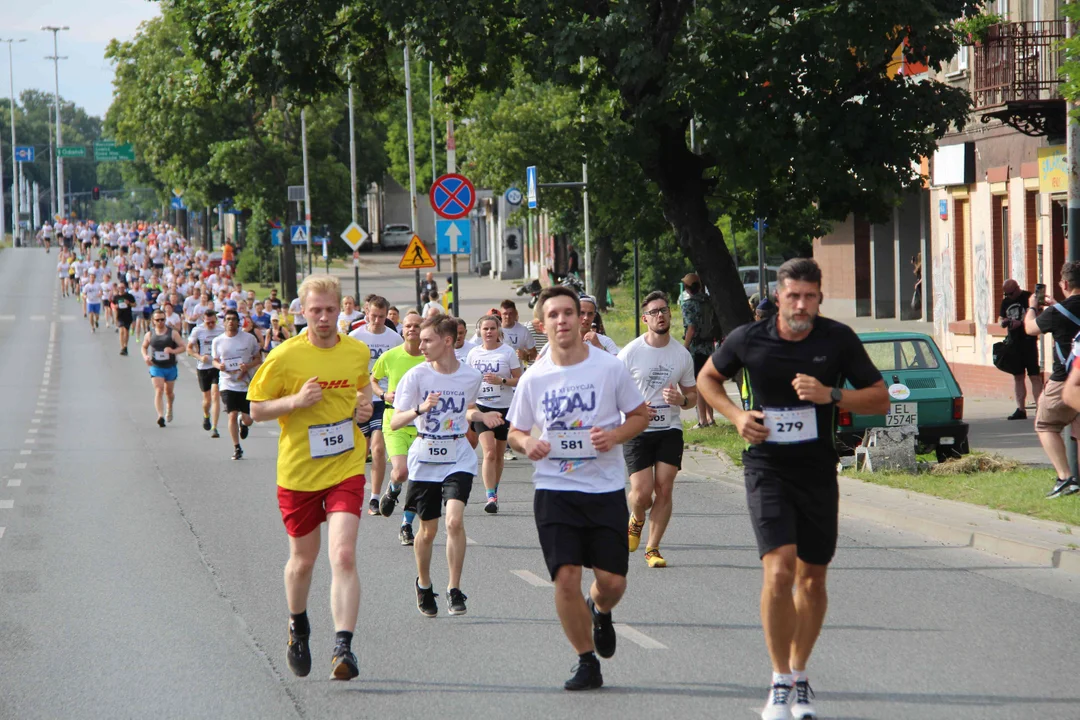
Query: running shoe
492, 505
389, 500
586, 676
654, 558
168, 414
243, 431
804, 701
298, 655
778, 705
123, 351
603, 631
456, 601
373, 507
344, 665
1065, 486
633, 533
206, 423
1020, 414
406, 535
509, 454
214, 433
161, 422
238, 453
425, 601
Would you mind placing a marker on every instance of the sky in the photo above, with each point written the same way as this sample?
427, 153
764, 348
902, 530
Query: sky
86, 76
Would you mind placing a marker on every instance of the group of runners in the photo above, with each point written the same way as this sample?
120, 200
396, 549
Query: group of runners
359, 383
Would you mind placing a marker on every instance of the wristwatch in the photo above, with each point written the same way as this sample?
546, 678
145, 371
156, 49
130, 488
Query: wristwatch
417, 410
836, 394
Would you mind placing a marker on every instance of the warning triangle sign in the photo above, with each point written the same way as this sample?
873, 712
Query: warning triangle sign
416, 256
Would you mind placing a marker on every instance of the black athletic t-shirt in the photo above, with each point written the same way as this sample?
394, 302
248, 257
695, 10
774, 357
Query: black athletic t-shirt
124, 302
832, 353
1014, 309
1063, 330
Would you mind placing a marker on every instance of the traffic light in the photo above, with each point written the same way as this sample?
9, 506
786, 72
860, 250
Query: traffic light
96, 193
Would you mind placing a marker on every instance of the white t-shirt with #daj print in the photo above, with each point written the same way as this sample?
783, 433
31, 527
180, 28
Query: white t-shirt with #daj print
441, 448
565, 402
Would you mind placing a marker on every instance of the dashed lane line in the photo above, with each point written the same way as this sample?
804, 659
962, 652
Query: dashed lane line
26, 452
18, 466
14, 482
7, 504
532, 578
638, 638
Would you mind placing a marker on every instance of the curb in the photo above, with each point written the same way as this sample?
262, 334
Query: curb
1029, 552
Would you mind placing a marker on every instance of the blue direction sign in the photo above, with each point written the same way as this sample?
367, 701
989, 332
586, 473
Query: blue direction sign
531, 189
275, 237
178, 204
24, 153
453, 237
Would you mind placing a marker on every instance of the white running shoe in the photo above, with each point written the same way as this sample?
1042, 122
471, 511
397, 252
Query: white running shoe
509, 454
778, 705
168, 414
803, 706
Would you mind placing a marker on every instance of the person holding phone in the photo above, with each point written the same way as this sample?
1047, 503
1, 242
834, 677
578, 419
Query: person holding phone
1024, 347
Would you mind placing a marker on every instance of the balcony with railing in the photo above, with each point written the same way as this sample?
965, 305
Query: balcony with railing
1016, 76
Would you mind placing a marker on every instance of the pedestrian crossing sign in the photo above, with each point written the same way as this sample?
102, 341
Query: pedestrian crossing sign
416, 256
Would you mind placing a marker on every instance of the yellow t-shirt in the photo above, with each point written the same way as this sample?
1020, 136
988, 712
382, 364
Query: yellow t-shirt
340, 371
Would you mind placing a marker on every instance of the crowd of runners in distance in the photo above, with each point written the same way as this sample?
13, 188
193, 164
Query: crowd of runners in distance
417, 404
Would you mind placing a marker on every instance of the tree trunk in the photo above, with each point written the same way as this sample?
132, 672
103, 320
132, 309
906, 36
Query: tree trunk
601, 263
678, 173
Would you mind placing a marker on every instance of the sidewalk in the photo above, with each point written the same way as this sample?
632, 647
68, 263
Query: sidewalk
1009, 535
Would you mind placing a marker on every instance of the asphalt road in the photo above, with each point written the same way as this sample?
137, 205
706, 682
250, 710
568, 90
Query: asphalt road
140, 576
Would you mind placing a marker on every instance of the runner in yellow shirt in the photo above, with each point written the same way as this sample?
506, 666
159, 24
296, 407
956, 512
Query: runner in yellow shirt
392, 365
316, 386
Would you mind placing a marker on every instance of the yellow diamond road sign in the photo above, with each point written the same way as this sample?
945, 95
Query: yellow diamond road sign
354, 235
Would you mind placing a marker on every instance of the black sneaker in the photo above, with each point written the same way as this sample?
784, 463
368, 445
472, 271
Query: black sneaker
214, 433
298, 654
492, 505
161, 422
1020, 414
243, 431
344, 665
425, 601
586, 677
1065, 486
373, 507
456, 601
406, 535
206, 423
603, 631
238, 453
123, 351
388, 501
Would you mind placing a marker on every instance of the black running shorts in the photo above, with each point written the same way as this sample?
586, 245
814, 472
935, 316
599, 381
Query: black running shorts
585, 529
429, 497
794, 507
236, 401
375, 421
649, 448
208, 378
501, 432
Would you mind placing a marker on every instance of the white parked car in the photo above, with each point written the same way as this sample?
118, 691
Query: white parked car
396, 236
748, 274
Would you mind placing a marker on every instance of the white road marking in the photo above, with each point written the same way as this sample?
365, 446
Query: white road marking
470, 541
638, 638
29, 441
19, 466
7, 504
26, 452
531, 578
32, 430
39, 412
35, 420
14, 483
67, 318
7, 317
2, 529
52, 332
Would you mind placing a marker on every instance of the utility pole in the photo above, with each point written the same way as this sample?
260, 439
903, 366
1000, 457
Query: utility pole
307, 187
434, 174
14, 163
56, 58
585, 192
412, 159
451, 167
352, 177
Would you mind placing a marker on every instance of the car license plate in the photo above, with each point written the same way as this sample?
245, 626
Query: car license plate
902, 414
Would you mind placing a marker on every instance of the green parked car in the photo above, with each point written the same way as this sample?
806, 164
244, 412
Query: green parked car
923, 393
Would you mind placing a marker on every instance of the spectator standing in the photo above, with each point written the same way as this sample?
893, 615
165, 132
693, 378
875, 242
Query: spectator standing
699, 323
1023, 347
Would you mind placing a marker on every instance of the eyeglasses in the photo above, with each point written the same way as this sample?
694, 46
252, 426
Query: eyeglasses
658, 311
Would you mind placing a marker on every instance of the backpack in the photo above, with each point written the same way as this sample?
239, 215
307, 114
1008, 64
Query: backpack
1073, 354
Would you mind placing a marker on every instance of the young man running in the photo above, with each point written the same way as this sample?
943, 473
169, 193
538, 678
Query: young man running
438, 398
235, 355
316, 386
664, 373
795, 365
200, 345
379, 341
393, 365
575, 395
501, 370
124, 302
160, 347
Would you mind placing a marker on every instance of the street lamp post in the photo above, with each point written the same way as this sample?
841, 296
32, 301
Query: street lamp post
14, 163
56, 58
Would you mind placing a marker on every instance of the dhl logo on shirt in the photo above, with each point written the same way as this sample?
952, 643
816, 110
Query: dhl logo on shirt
334, 384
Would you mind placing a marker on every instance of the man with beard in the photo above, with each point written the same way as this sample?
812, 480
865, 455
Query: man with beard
664, 373
795, 365
1024, 347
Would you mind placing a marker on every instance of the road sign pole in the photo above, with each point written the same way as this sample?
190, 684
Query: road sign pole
412, 159
307, 187
451, 167
356, 277
637, 288
352, 156
434, 172
585, 197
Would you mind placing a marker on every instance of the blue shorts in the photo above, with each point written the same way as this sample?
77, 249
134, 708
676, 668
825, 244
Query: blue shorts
168, 373
93, 308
